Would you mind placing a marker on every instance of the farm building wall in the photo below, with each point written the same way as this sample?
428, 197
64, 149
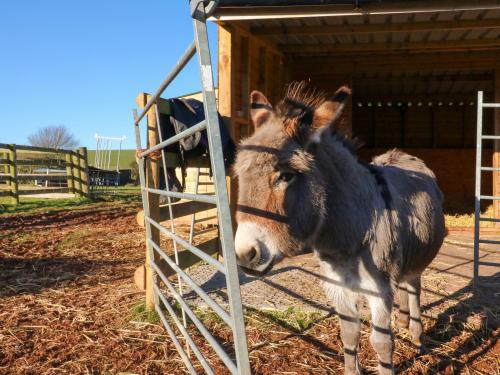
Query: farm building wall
442, 133
428, 109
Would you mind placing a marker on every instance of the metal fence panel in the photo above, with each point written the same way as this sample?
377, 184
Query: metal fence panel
480, 137
234, 318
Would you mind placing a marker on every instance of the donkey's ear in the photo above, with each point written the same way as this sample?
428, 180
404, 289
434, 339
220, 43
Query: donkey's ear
328, 113
260, 108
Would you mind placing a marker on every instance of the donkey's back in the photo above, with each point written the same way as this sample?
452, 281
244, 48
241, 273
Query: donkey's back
417, 203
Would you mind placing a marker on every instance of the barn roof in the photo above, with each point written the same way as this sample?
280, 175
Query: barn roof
272, 9
369, 26
343, 32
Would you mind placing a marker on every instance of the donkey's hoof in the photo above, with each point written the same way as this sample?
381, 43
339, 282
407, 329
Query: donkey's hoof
384, 369
352, 371
419, 346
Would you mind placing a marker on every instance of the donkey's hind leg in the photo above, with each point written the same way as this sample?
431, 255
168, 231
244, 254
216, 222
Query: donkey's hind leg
416, 330
381, 336
404, 310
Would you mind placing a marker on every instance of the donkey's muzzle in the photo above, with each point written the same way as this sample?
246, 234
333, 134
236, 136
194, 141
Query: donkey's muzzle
260, 269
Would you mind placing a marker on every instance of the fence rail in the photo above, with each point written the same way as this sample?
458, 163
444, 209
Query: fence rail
20, 164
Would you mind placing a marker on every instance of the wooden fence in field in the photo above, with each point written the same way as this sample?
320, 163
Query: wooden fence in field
29, 170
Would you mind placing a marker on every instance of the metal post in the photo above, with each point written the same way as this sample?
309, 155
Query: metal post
477, 195
219, 176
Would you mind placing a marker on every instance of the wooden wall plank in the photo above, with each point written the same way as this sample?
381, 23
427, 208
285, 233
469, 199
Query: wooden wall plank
496, 153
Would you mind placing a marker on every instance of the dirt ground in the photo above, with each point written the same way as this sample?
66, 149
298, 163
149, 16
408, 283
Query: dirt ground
68, 305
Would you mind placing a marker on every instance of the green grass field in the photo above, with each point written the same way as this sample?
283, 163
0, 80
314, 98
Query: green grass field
129, 195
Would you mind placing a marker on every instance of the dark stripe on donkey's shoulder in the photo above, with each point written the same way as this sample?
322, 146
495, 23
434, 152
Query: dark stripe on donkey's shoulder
382, 183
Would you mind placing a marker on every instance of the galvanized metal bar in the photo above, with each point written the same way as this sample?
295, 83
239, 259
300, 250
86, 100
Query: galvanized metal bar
219, 176
490, 137
477, 193
491, 105
187, 245
193, 216
493, 242
490, 169
169, 202
490, 197
173, 336
210, 302
203, 330
188, 54
176, 138
192, 197
491, 219
183, 330
178, 346
97, 149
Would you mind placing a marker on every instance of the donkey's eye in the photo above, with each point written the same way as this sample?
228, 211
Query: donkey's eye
286, 176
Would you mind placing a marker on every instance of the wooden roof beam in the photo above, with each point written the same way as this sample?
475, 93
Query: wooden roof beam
379, 28
341, 48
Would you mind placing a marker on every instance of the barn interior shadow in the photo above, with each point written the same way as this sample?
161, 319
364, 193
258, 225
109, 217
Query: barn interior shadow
31, 276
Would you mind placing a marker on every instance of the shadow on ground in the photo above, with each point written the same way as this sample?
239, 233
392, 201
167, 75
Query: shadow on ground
31, 276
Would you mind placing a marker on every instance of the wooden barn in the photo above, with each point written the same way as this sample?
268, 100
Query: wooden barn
415, 68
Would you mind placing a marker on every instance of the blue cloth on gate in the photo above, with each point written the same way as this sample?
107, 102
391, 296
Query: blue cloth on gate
185, 113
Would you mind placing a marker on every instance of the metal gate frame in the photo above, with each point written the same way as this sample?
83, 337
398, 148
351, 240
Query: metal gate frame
200, 10
480, 137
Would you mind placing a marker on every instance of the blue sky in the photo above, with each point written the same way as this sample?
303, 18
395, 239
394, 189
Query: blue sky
82, 63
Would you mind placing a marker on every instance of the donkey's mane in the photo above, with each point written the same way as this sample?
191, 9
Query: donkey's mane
302, 94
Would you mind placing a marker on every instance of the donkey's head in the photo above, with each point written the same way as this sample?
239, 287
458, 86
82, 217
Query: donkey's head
281, 201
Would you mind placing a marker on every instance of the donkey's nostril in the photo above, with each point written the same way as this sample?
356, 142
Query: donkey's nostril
252, 254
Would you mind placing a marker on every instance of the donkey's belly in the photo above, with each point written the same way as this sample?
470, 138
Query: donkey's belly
356, 277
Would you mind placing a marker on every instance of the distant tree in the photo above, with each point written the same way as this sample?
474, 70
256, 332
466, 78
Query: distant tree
57, 137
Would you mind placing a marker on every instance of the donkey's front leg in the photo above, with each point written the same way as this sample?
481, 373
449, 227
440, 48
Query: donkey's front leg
350, 327
381, 336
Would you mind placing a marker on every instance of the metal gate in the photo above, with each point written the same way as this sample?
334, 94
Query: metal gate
234, 318
478, 196
105, 173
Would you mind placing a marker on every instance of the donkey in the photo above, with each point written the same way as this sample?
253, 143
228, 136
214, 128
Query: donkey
374, 227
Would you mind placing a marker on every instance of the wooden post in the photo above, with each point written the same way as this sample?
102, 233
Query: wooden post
69, 173
152, 181
75, 172
226, 101
6, 167
14, 183
84, 170
496, 150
